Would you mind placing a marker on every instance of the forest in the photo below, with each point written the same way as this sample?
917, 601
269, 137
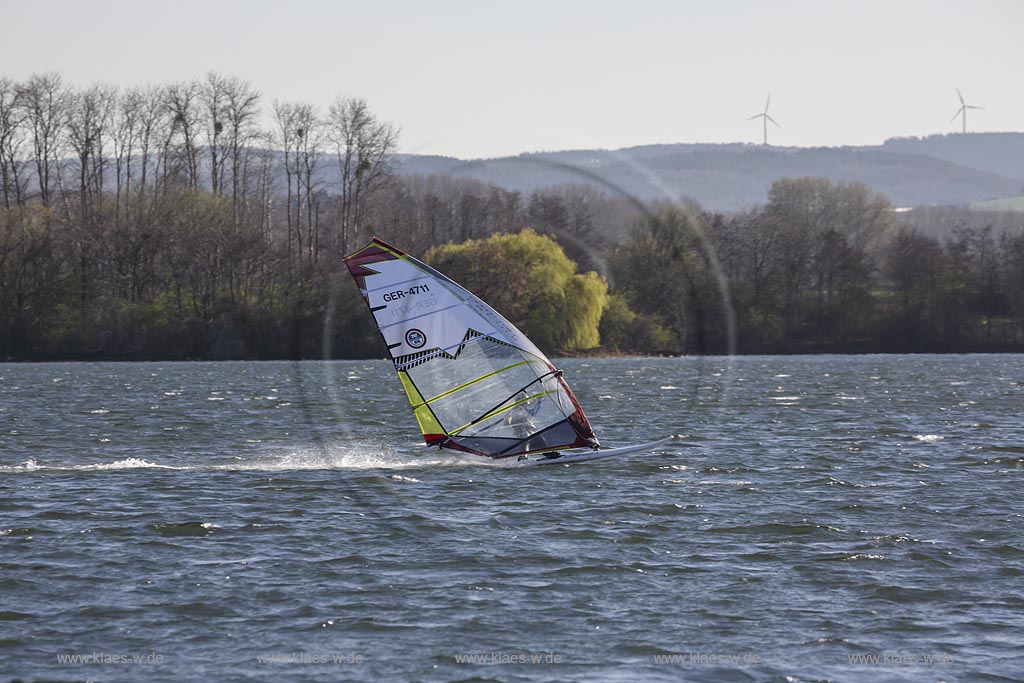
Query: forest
195, 220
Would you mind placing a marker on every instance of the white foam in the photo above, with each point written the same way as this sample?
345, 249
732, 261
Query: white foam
928, 438
27, 466
340, 456
126, 464
328, 457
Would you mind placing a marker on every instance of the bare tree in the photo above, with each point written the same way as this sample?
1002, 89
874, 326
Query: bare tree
152, 112
12, 139
363, 145
183, 105
241, 115
213, 96
125, 136
87, 124
230, 111
301, 138
263, 193
44, 100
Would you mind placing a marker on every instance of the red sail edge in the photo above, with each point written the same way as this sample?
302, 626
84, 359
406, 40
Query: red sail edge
376, 251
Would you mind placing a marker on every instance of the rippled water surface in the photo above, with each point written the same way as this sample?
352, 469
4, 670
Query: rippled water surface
823, 518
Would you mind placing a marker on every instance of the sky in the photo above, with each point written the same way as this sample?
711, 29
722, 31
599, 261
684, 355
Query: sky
484, 79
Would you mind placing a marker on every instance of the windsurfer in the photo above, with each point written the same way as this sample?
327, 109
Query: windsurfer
519, 417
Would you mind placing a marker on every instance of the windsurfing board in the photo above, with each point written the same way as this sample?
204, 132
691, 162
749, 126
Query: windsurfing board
565, 458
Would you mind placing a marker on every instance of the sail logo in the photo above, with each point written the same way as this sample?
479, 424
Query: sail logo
415, 338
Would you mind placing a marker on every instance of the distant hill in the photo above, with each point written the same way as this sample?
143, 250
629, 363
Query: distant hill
941, 170
1000, 153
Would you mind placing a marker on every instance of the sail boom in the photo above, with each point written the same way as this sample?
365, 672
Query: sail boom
470, 383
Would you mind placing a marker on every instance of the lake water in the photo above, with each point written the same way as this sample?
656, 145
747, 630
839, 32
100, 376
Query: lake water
823, 518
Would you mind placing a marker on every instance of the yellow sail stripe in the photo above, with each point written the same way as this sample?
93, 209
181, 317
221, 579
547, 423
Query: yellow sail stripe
499, 411
467, 384
424, 416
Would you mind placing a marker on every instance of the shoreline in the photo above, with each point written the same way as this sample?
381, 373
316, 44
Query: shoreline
604, 355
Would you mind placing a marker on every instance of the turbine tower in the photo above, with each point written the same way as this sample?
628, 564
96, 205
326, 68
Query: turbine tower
764, 115
962, 111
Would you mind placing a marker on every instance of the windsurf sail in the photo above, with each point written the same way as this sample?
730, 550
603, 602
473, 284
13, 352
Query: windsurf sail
475, 382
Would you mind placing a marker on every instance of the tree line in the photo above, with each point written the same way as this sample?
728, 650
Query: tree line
170, 221
195, 220
825, 267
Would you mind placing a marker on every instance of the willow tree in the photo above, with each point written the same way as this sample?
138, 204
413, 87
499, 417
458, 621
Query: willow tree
529, 279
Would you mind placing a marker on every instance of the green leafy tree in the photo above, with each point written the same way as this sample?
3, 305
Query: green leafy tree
529, 279
623, 329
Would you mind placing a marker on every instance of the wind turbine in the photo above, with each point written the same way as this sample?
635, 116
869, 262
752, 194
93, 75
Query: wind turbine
962, 111
764, 115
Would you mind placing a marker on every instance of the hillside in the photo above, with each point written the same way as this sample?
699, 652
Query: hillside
731, 177
1000, 153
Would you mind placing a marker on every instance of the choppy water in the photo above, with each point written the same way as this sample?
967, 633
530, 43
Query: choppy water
203, 517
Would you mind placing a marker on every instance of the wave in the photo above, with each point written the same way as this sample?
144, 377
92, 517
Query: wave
332, 457
342, 457
33, 465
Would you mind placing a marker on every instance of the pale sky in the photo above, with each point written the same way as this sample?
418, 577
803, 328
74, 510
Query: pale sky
482, 79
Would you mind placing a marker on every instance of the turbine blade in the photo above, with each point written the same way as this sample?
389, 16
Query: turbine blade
971, 106
767, 102
755, 116
956, 115
772, 120
960, 96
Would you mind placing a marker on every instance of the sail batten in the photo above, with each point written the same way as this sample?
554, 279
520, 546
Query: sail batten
470, 383
424, 315
469, 391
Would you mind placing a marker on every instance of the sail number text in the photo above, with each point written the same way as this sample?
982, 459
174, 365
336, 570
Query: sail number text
402, 293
